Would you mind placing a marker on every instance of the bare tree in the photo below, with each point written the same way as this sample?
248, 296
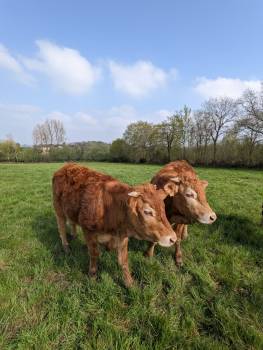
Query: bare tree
171, 131
202, 134
186, 129
59, 131
221, 112
249, 137
51, 132
252, 108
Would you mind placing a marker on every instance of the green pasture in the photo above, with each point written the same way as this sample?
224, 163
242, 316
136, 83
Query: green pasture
215, 301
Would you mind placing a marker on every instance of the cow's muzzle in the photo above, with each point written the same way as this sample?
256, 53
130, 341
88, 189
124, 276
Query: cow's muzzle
208, 218
167, 241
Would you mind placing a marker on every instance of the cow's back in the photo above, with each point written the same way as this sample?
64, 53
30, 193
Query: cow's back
85, 196
78, 189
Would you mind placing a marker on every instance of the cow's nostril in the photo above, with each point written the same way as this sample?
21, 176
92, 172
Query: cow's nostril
172, 240
212, 217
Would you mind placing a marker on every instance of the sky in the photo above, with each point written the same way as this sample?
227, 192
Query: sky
101, 65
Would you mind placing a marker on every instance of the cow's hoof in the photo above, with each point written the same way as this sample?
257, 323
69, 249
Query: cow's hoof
66, 249
148, 254
92, 274
179, 263
129, 283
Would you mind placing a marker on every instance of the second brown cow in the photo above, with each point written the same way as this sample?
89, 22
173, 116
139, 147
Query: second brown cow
109, 212
189, 205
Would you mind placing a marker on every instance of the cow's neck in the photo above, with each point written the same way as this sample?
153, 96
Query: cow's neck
116, 210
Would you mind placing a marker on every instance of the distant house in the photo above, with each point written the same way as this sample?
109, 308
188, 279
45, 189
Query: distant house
45, 149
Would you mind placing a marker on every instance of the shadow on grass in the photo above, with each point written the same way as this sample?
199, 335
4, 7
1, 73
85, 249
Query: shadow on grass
239, 229
45, 227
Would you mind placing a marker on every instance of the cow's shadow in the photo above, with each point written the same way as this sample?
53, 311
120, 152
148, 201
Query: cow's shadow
238, 229
45, 227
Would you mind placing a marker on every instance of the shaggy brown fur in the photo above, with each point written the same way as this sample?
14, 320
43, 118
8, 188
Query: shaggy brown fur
108, 212
177, 208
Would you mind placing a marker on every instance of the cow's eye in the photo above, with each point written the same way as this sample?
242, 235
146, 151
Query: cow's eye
190, 195
148, 212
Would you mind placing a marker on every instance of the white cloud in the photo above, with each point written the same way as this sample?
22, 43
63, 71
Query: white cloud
221, 86
139, 79
8, 62
66, 68
101, 125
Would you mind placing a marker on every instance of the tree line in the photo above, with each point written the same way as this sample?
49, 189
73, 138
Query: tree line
223, 131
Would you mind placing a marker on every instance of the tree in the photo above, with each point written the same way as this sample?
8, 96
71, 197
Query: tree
171, 133
51, 132
252, 108
9, 149
201, 134
186, 130
221, 112
249, 137
139, 137
119, 151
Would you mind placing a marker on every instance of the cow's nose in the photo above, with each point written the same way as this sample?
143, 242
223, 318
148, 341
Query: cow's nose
172, 240
213, 217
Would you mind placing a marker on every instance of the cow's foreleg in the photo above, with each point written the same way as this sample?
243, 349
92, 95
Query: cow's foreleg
122, 249
179, 230
185, 232
92, 244
178, 253
150, 251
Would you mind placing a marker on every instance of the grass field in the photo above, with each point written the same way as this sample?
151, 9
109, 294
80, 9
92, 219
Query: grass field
215, 301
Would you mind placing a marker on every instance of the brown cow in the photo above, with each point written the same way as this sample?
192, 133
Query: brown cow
187, 206
109, 212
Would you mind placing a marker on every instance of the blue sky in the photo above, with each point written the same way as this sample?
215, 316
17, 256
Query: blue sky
99, 65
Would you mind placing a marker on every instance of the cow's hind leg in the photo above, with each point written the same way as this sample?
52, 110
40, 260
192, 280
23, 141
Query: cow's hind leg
93, 248
122, 248
150, 251
61, 221
73, 229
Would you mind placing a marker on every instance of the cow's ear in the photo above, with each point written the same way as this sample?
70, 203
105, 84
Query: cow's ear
170, 188
204, 183
134, 194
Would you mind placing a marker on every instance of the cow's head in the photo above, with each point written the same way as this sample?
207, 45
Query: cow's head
190, 202
146, 214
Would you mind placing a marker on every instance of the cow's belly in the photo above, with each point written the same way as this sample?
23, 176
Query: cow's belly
104, 238
108, 240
